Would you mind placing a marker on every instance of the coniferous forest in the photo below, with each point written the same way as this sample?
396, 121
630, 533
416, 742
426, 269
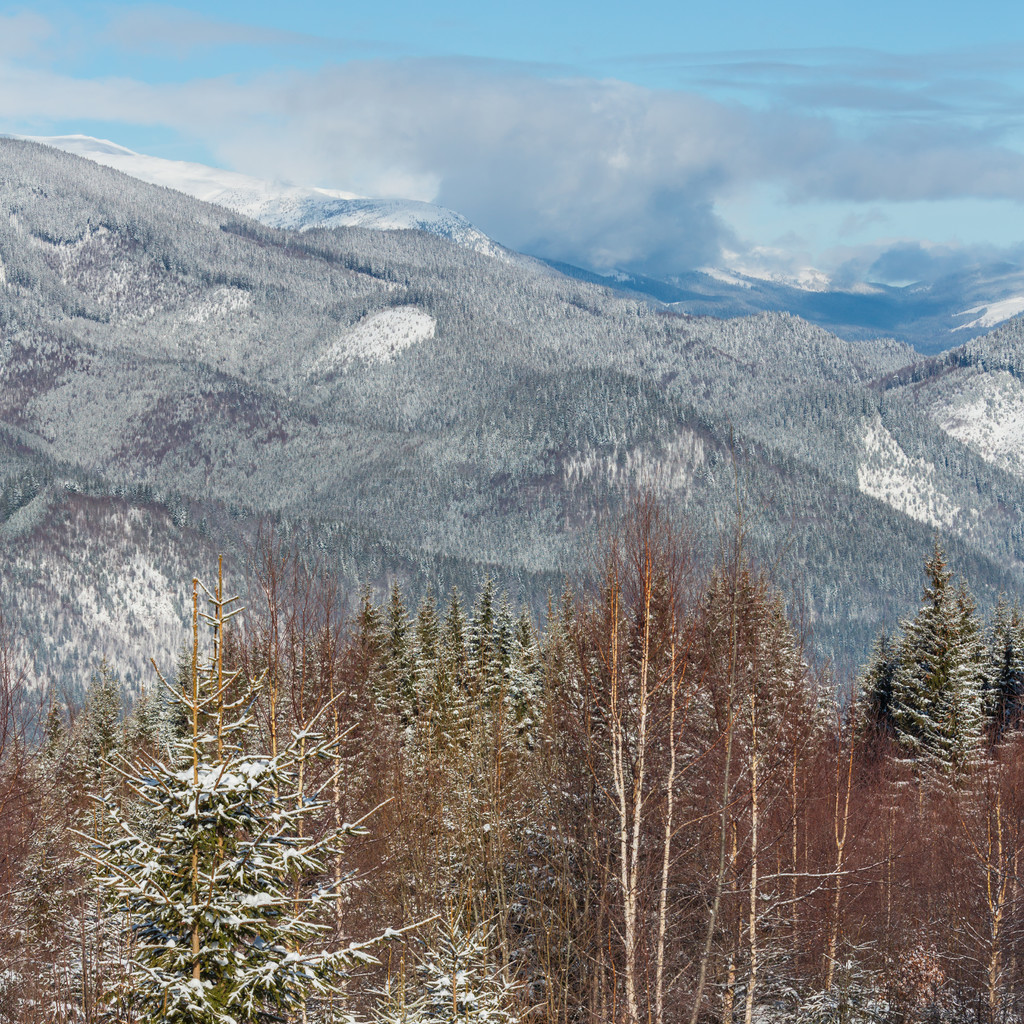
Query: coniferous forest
652, 805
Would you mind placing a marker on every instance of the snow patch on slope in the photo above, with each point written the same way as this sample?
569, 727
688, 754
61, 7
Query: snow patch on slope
377, 339
762, 263
667, 468
907, 484
276, 204
992, 314
726, 277
987, 414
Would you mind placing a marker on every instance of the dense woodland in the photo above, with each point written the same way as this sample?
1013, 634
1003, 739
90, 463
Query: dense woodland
648, 806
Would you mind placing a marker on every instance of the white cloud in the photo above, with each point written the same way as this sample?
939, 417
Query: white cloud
157, 29
601, 172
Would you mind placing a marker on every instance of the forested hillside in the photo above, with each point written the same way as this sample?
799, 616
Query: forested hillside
403, 405
645, 805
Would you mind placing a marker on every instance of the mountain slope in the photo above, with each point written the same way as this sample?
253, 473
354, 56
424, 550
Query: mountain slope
400, 404
931, 316
975, 393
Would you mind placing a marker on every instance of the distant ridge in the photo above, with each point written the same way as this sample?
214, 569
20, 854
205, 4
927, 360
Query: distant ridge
276, 204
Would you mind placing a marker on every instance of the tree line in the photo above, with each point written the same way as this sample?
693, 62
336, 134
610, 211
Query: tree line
650, 806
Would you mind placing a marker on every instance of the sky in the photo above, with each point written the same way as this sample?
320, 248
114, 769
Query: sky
871, 140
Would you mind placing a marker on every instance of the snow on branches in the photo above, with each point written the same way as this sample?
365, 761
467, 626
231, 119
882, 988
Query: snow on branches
220, 867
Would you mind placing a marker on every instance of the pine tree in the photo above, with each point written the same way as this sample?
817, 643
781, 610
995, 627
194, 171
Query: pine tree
217, 880
936, 690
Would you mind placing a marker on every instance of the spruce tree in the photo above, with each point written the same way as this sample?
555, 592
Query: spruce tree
484, 657
875, 710
936, 689
101, 732
428, 643
453, 642
456, 981
1004, 690
524, 694
428, 671
369, 639
397, 678
221, 877
454, 704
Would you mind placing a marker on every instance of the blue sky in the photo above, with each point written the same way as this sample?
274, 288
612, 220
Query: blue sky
656, 138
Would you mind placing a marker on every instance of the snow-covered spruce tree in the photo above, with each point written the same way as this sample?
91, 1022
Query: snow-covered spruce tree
937, 686
524, 691
455, 981
101, 733
428, 647
1004, 691
874, 701
224, 893
399, 668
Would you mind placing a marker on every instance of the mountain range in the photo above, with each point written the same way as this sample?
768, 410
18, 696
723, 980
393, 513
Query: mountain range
177, 376
932, 316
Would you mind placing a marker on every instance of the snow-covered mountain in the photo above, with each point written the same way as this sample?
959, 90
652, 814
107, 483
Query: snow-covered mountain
276, 204
170, 378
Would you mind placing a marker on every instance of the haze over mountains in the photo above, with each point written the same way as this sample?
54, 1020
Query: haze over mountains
173, 373
932, 316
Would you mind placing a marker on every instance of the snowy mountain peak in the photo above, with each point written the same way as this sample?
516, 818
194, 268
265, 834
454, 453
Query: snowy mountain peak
761, 264
273, 203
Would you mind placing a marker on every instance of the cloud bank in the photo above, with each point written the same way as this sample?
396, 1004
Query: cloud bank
594, 171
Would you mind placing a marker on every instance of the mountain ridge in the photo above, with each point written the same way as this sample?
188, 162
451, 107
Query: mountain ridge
275, 204
930, 316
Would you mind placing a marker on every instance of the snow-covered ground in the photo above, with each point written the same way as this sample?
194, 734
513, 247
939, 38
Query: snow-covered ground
277, 204
987, 413
377, 339
94, 575
992, 314
907, 484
